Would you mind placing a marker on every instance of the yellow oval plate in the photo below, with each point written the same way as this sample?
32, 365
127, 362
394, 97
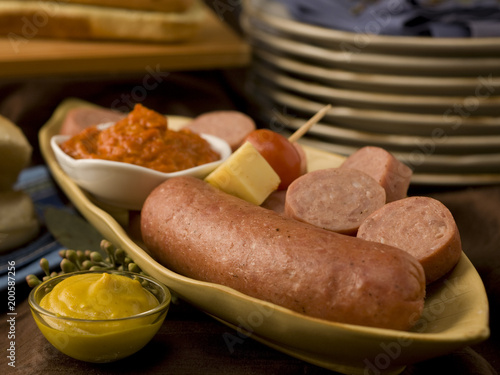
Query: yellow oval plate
455, 314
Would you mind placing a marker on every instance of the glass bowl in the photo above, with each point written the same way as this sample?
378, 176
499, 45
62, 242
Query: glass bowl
100, 340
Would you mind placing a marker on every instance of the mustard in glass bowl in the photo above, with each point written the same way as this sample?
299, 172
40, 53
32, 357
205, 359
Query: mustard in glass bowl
99, 316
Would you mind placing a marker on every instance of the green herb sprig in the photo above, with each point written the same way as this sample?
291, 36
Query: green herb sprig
80, 260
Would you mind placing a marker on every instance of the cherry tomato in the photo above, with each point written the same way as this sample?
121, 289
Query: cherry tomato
279, 152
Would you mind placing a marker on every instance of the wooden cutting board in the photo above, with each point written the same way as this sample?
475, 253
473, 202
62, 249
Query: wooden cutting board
216, 46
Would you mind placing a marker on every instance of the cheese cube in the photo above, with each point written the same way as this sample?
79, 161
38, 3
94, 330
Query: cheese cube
15, 153
245, 174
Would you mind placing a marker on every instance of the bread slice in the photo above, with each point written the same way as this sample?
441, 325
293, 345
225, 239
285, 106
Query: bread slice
15, 153
156, 5
18, 221
25, 20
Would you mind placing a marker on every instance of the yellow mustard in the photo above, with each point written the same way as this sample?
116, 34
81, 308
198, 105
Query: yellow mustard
98, 296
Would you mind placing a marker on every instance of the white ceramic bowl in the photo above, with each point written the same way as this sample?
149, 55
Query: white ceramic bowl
126, 185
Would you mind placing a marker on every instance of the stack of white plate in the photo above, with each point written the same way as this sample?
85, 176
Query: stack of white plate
433, 102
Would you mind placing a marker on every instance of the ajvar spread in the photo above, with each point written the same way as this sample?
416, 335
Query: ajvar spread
142, 138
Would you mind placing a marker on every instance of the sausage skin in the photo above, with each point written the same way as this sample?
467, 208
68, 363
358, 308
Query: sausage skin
422, 226
201, 232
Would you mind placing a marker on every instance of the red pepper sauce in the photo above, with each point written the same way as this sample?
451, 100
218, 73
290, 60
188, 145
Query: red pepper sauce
142, 138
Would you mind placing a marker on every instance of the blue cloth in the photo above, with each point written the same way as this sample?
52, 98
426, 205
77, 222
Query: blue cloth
37, 183
433, 18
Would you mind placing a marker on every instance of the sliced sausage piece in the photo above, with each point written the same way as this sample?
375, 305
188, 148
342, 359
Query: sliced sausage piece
275, 201
81, 118
198, 231
393, 175
337, 199
231, 126
423, 227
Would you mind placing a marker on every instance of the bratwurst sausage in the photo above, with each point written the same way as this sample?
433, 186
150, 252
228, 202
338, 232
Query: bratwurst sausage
201, 232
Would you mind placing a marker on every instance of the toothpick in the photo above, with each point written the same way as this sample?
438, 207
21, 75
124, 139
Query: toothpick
313, 120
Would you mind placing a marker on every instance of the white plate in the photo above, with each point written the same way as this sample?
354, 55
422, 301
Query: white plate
450, 144
320, 159
376, 121
383, 83
276, 16
425, 104
369, 62
423, 161
460, 179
